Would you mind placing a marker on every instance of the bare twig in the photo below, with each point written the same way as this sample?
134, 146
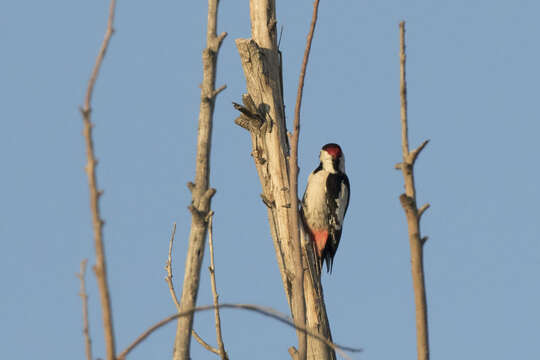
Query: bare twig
422, 209
414, 154
271, 313
216, 92
101, 55
200, 190
206, 345
168, 268
293, 188
84, 298
100, 267
303, 75
408, 201
212, 269
168, 279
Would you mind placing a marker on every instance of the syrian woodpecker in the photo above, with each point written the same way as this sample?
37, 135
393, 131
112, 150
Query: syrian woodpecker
325, 203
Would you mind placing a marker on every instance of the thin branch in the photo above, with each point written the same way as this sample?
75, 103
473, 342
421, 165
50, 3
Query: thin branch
168, 267
268, 312
414, 154
303, 75
412, 214
168, 279
100, 267
201, 192
101, 55
220, 89
403, 93
293, 352
422, 209
206, 345
84, 298
293, 169
212, 270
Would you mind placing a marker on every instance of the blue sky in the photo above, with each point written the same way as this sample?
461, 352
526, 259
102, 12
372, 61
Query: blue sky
473, 90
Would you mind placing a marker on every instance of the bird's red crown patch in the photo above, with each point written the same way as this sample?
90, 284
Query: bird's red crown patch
333, 149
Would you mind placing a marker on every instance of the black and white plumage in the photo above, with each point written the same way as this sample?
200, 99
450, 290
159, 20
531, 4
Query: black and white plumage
325, 203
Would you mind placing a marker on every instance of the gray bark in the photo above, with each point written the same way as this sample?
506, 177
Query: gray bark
263, 115
201, 191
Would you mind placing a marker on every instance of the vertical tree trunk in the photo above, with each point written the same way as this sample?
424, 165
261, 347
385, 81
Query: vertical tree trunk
413, 214
263, 115
200, 190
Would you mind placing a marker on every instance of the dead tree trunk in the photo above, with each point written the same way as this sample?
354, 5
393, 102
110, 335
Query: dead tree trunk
263, 115
413, 214
200, 190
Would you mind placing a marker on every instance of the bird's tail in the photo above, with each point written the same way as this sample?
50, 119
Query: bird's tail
329, 261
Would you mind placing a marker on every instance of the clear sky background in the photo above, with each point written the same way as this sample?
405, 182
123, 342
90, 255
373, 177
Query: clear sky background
473, 80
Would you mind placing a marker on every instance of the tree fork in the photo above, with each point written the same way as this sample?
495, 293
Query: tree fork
413, 214
263, 115
200, 190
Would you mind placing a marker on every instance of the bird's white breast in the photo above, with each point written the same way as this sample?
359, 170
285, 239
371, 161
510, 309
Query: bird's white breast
314, 203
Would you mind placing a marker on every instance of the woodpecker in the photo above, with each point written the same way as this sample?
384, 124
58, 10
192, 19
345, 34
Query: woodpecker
325, 203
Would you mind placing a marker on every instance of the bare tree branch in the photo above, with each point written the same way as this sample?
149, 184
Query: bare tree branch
168, 279
302, 77
84, 299
212, 269
293, 169
268, 312
201, 191
100, 267
408, 201
422, 209
414, 154
101, 55
168, 268
206, 345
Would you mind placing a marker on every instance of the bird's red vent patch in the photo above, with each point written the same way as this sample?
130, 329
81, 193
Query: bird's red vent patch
320, 237
333, 149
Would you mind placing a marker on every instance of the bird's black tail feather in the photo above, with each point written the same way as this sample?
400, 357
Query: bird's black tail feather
327, 256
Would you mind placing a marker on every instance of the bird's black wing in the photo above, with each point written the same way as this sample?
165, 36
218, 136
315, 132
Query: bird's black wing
339, 194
